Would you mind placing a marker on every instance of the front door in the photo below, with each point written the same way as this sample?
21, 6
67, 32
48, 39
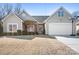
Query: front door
30, 28
40, 29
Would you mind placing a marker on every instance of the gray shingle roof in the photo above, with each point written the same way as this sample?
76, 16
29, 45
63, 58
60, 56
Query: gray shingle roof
25, 16
40, 18
29, 17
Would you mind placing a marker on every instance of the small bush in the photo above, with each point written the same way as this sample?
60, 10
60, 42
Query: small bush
72, 35
24, 32
36, 33
19, 32
1, 30
27, 33
77, 33
15, 33
30, 33
7, 33
43, 31
10, 33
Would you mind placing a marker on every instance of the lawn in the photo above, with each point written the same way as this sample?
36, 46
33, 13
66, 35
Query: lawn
37, 45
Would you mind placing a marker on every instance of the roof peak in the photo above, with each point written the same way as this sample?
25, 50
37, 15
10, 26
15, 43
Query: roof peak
61, 7
40, 15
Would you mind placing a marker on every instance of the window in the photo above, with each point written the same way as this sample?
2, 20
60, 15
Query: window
12, 27
60, 13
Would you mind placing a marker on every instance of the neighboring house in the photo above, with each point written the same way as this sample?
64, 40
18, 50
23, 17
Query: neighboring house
77, 26
58, 23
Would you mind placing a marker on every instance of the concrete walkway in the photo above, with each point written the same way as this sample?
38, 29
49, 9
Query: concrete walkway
72, 42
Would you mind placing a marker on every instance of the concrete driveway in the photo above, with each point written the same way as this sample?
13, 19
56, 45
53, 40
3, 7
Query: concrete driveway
72, 42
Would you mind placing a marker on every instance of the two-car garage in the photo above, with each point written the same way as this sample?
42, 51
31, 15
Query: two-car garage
59, 29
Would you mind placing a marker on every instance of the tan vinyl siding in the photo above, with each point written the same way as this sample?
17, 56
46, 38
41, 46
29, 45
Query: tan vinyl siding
56, 18
12, 19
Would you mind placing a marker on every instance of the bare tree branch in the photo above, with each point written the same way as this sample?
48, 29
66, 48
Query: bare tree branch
18, 8
7, 8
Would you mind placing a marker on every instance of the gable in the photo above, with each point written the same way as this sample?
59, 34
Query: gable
11, 15
56, 18
25, 16
11, 19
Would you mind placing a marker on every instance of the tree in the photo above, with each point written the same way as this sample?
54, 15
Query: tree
75, 14
7, 8
2, 13
1, 29
18, 8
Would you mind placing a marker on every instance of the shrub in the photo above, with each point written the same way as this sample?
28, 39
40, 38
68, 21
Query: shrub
43, 31
1, 29
72, 35
77, 33
31, 33
27, 33
7, 33
19, 32
24, 32
10, 33
36, 33
15, 33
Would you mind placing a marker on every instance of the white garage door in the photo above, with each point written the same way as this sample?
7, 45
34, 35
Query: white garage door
60, 28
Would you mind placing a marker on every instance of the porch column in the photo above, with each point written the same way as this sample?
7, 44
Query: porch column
37, 28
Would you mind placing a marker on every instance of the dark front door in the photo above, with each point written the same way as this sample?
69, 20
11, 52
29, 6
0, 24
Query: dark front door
40, 29
30, 28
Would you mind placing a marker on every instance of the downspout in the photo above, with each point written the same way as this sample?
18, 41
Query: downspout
72, 26
73, 19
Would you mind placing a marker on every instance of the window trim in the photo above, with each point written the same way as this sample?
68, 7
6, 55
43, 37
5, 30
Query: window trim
12, 25
60, 13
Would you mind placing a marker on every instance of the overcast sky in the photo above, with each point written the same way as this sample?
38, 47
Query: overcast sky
47, 8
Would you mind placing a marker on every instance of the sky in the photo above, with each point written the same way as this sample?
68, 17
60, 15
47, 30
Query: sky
47, 8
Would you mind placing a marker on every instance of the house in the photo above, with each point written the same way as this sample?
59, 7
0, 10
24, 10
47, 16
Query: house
58, 23
24, 22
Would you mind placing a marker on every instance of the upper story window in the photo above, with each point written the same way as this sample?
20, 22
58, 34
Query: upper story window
60, 13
